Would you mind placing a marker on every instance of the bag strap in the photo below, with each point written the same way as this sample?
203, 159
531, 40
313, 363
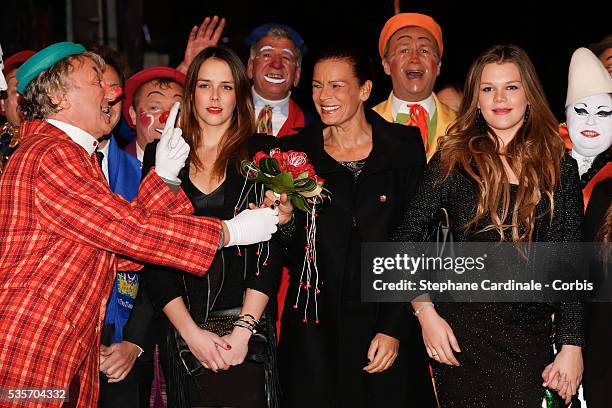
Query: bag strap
446, 220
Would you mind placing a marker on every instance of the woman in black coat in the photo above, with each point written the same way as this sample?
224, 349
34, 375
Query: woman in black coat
216, 120
349, 353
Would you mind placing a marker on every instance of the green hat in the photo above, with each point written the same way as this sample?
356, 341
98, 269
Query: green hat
43, 60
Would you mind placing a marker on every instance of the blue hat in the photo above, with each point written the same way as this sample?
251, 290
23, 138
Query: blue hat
259, 32
43, 60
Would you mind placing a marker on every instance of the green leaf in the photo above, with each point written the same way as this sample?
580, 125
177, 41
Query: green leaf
262, 178
305, 185
283, 183
299, 202
312, 193
302, 176
270, 166
245, 165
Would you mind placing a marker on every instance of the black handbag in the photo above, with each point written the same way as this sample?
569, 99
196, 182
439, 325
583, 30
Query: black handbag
221, 322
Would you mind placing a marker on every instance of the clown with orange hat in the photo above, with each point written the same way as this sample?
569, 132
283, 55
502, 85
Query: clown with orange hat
411, 47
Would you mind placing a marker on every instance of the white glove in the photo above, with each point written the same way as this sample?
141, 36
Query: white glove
172, 150
252, 226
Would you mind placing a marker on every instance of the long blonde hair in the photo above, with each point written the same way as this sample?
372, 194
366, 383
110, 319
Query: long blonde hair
534, 154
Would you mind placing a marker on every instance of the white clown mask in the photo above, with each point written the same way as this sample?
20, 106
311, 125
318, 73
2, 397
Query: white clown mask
589, 123
3, 85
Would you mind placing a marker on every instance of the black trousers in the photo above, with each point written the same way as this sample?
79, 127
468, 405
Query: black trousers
133, 392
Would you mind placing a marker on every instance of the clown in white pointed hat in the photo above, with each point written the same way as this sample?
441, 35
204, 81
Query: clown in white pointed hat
589, 118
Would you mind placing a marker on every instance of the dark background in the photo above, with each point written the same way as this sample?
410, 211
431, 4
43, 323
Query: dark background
549, 32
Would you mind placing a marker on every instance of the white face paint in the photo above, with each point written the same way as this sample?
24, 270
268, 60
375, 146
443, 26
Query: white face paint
589, 123
3, 85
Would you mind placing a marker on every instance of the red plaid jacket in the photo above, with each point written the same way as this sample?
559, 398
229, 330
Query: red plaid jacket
63, 235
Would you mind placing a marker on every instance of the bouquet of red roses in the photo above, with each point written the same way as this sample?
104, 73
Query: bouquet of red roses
289, 173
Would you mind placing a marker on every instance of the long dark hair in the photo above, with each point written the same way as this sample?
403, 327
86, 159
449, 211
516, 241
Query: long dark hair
234, 144
534, 154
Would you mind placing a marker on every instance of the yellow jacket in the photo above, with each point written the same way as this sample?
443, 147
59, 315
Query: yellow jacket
445, 117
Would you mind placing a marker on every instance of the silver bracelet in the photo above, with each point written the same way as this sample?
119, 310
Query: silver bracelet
245, 325
420, 308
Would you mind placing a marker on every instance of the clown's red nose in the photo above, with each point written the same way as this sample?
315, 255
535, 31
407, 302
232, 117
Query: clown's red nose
276, 63
112, 92
117, 92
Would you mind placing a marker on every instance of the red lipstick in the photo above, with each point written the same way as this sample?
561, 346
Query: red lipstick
502, 111
214, 110
589, 133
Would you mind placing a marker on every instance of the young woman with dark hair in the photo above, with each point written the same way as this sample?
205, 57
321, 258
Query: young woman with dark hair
217, 122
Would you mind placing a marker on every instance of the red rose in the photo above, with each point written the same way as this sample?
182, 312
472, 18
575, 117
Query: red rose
258, 156
285, 159
311, 172
295, 171
296, 159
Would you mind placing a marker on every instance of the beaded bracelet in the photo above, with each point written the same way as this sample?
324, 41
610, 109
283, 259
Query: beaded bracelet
245, 325
248, 316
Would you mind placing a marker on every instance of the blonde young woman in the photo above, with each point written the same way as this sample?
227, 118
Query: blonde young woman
502, 175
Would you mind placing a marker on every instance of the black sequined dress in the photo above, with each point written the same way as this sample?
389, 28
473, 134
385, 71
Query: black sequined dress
505, 346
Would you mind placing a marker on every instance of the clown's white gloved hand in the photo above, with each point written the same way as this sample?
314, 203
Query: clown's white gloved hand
172, 150
252, 226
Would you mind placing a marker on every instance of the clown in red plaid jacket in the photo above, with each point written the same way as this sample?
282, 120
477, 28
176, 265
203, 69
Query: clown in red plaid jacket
63, 235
